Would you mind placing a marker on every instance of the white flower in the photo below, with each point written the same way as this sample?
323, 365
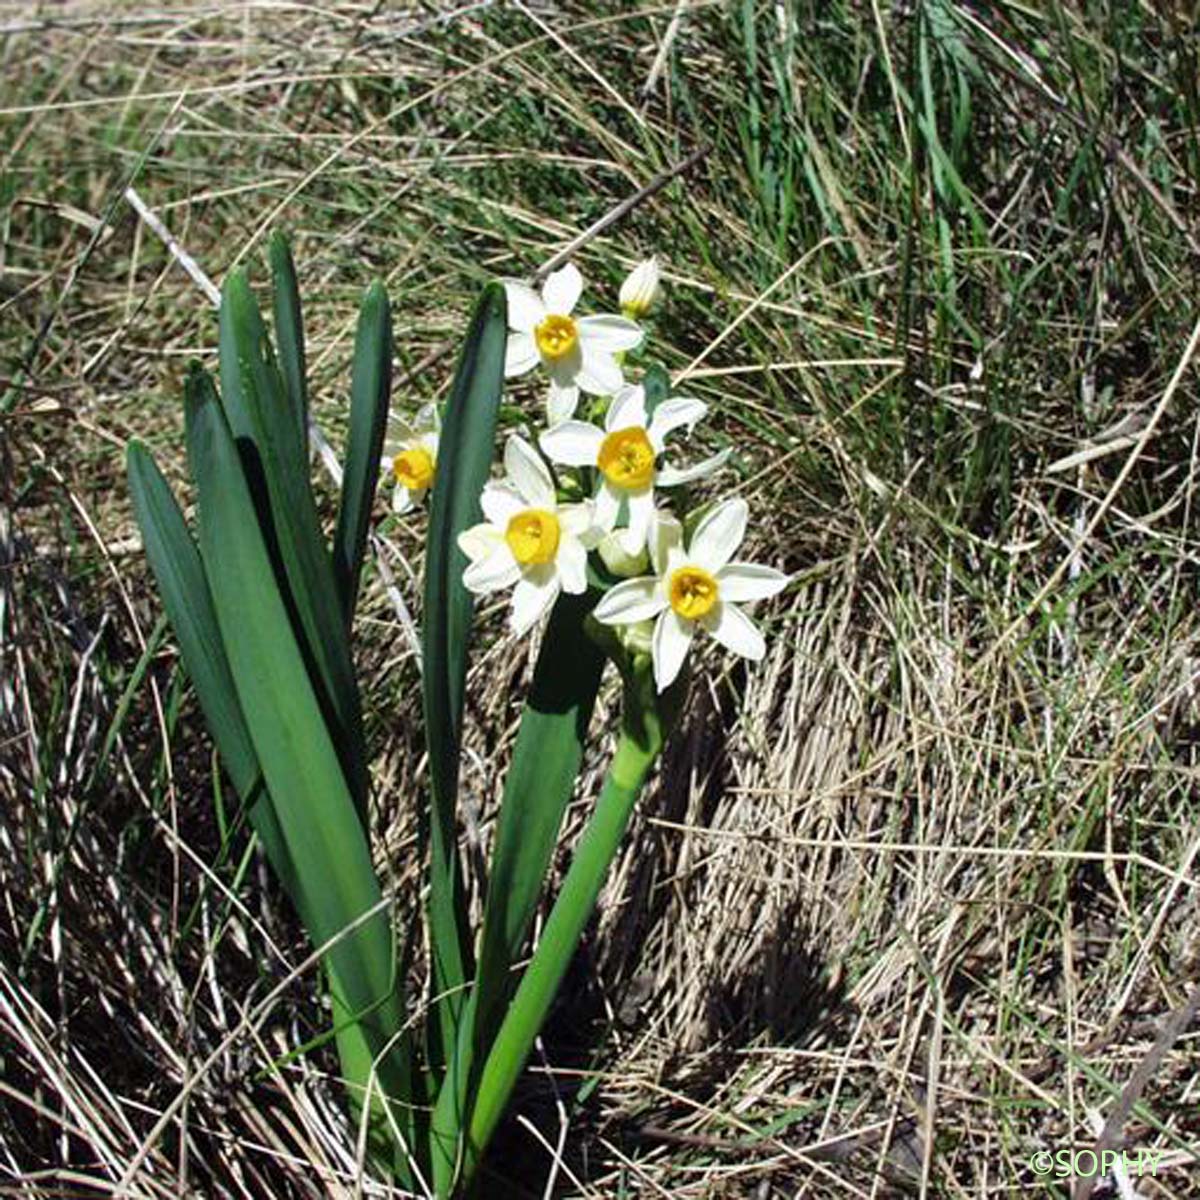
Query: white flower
641, 289
695, 587
410, 457
579, 353
625, 452
527, 539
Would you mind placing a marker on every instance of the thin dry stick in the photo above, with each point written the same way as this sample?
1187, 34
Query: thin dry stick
1174, 1028
660, 59
626, 206
177, 252
750, 309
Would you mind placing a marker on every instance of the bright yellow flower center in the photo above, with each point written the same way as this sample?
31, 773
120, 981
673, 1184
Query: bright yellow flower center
693, 592
627, 458
414, 468
556, 337
532, 536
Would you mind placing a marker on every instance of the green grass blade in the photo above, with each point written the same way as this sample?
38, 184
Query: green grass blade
260, 420
643, 730
540, 780
183, 586
336, 882
289, 332
370, 391
465, 453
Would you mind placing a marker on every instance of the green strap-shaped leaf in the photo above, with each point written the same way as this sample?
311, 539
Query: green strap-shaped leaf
370, 391
465, 453
261, 421
336, 882
537, 788
183, 586
289, 332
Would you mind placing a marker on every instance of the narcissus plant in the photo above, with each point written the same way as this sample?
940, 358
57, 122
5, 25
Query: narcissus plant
262, 603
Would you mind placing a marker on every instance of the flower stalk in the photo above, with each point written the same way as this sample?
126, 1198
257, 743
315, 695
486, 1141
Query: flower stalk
646, 720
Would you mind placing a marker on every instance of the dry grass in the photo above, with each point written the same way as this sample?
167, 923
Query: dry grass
912, 900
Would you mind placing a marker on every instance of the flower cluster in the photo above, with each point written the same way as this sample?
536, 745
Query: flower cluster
532, 542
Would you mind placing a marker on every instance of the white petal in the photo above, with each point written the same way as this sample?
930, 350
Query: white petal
611, 334
493, 573
427, 420
719, 535
629, 602
579, 521
669, 476
400, 435
500, 504
525, 310
672, 637
676, 558
532, 598
641, 515
608, 505
572, 443
479, 541
528, 473
562, 289
666, 535
741, 581
402, 499
672, 414
735, 631
561, 403
571, 561
520, 354
628, 408
599, 373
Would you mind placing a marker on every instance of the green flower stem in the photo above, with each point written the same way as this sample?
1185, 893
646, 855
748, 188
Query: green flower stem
643, 730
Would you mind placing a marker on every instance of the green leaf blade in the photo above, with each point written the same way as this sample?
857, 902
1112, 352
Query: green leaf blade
289, 332
537, 789
183, 586
465, 453
370, 392
261, 422
317, 814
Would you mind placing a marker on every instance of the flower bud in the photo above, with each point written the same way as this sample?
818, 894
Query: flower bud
638, 638
618, 560
641, 289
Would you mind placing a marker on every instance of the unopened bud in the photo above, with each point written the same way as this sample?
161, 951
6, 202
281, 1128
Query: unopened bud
618, 559
638, 637
641, 289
